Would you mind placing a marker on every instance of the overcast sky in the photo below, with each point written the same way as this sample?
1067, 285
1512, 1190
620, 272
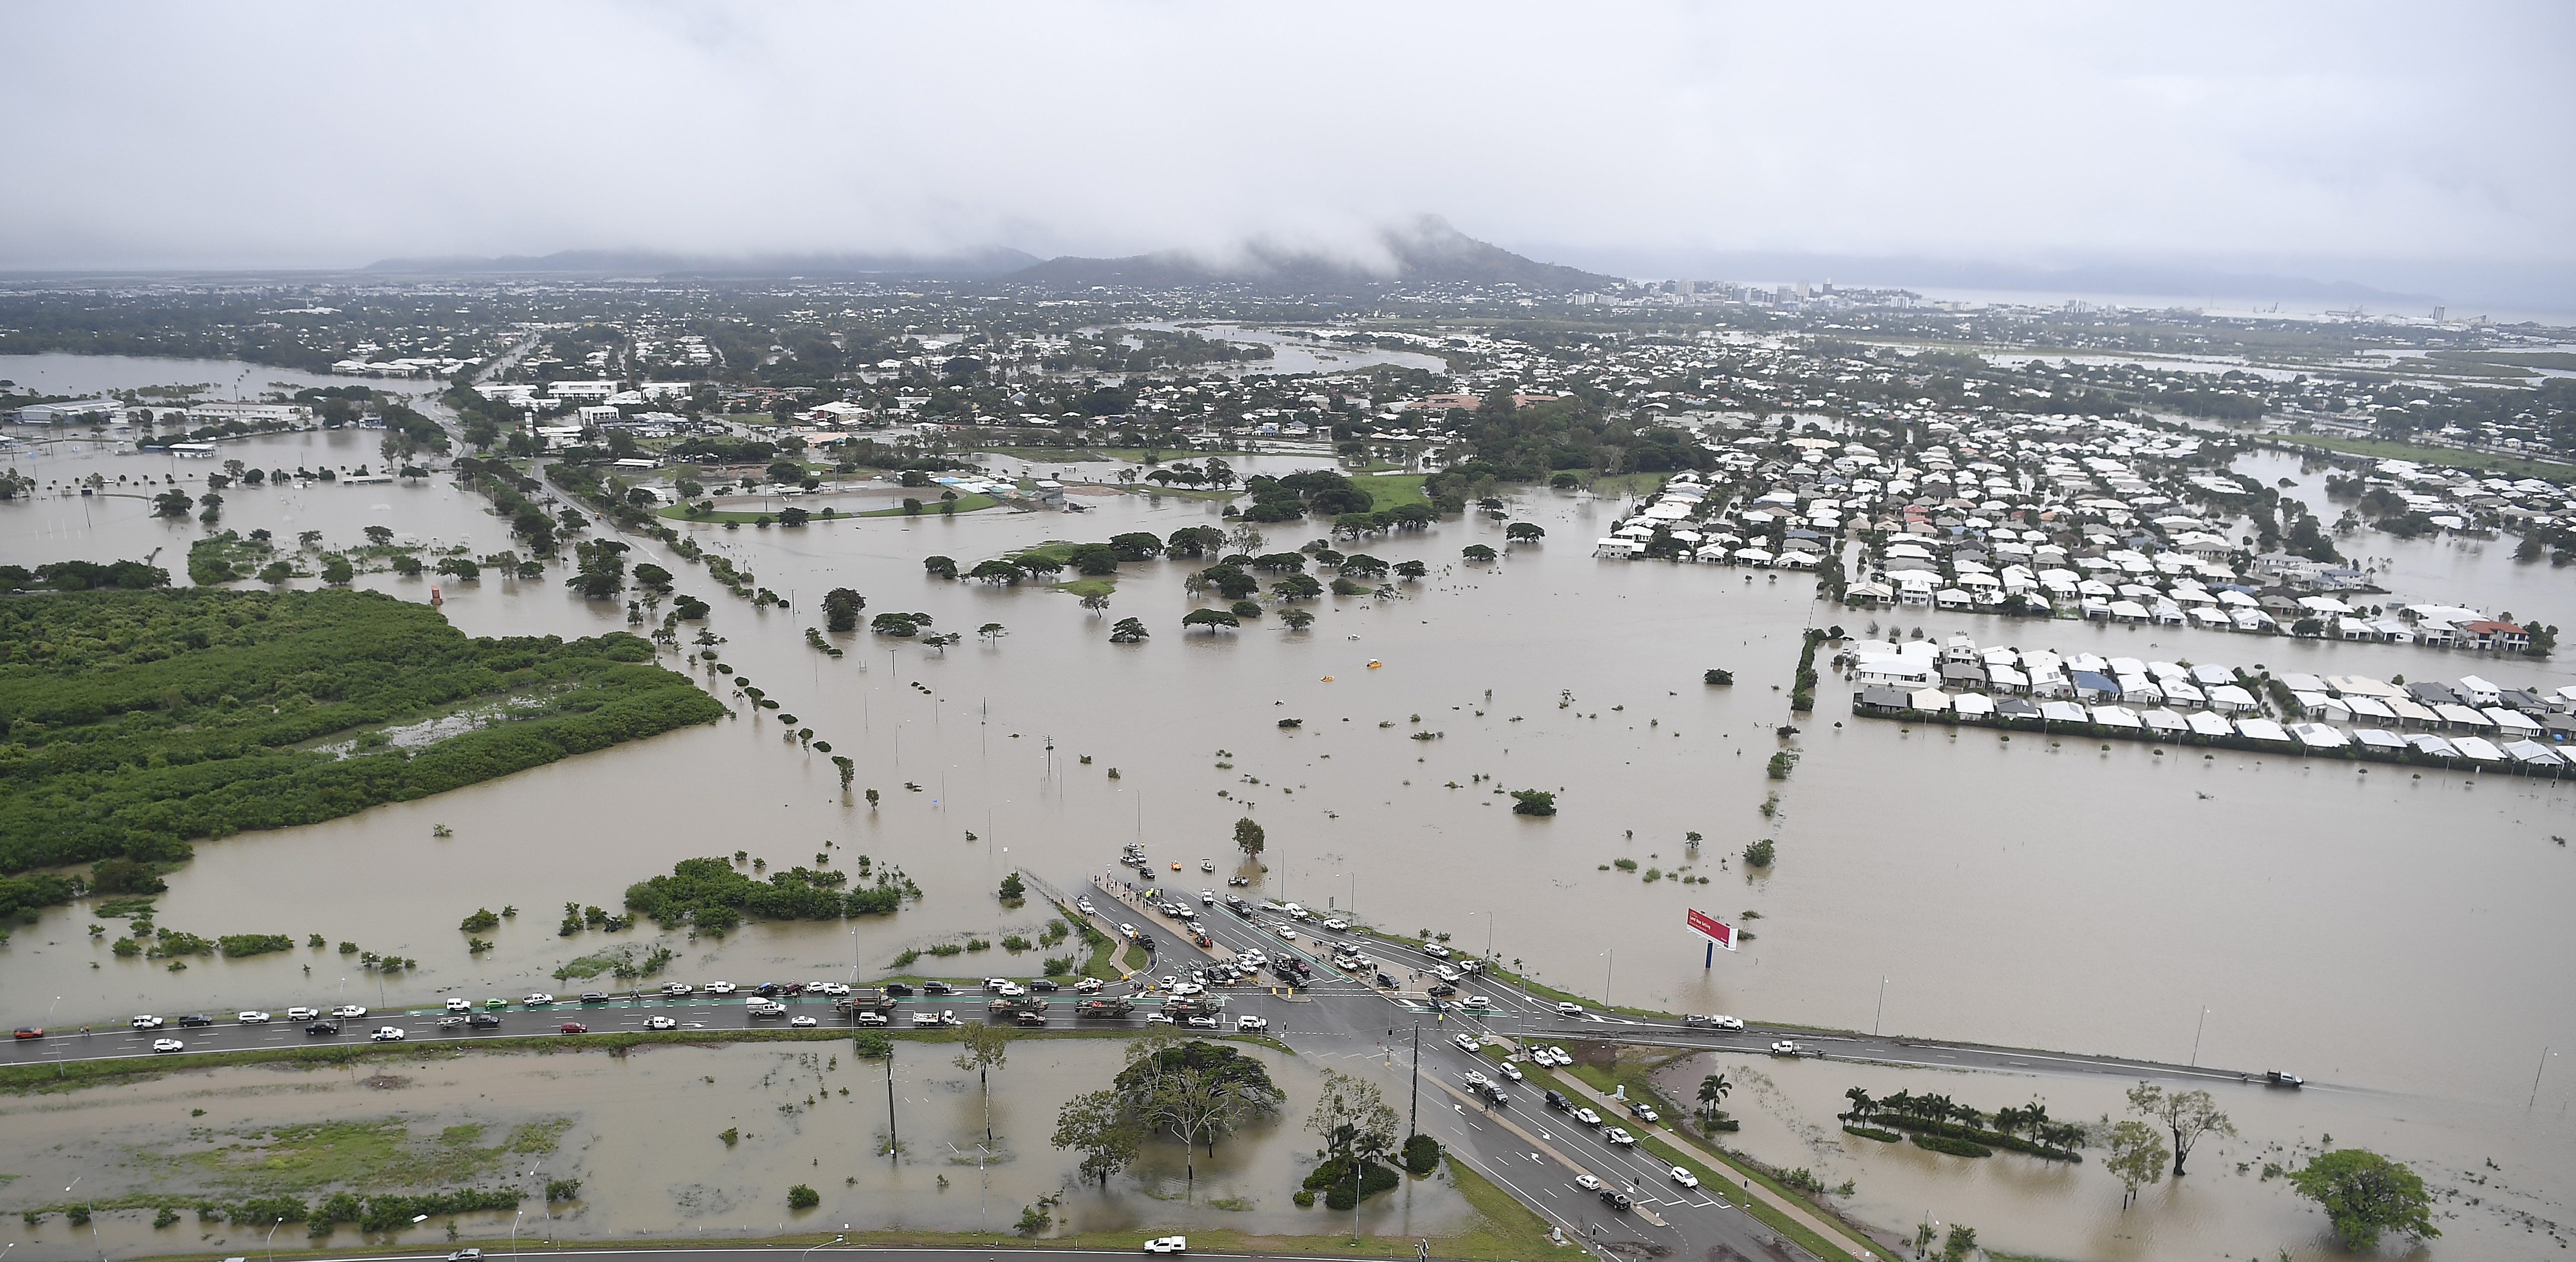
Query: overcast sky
2269, 136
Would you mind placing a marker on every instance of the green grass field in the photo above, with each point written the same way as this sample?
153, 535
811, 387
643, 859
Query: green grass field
2516, 466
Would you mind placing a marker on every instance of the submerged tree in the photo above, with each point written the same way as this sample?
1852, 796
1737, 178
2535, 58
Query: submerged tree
2188, 1114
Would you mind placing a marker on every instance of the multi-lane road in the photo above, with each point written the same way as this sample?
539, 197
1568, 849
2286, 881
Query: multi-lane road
1340, 1019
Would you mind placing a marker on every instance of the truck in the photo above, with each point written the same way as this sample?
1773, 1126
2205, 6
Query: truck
1105, 1009
1195, 1005
867, 999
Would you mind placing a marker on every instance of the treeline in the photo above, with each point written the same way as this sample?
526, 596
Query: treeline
134, 722
82, 576
712, 895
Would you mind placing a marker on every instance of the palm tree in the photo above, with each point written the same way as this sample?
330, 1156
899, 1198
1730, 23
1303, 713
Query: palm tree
1862, 1107
1712, 1092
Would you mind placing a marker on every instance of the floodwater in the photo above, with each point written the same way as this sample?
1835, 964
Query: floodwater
1290, 353
2401, 939
225, 379
643, 1137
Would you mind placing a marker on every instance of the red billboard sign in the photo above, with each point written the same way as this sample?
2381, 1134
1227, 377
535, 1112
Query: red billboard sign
1714, 930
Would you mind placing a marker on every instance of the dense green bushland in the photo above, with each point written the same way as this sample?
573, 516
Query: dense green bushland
132, 722
711, 895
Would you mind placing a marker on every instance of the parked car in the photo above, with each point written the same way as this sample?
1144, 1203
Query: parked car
1511, 1071
1642, 1112
193, 1018
386, 1034
253, 1017
1200, 1022
1168, 1244
147, 1022
572, 1027
454, 1004
675, 989
1087, 986
1685, 1177
168, 1045
1442, 991
344, 1012
720, 988
1385, 980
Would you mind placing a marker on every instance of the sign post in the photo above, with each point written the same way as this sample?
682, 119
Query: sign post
1718, 933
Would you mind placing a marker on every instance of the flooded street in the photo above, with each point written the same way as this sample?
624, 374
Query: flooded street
2400, 940
643, 1133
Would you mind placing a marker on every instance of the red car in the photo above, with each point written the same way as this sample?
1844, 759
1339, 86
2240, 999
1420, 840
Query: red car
25, 1032
572, 1027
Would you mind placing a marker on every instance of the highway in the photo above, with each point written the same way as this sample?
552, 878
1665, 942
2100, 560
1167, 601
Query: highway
1344, 1021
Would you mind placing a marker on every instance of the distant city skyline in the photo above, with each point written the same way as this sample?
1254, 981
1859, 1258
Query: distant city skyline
2382, 149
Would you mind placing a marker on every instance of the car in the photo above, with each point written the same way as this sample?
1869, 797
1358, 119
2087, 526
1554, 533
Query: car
1784, 1047
937, 988
661, 1023
1619, 1138
195, 1018
1337, 925
1284, 931
1160, 1018
1494, 1092
1385, 980
1557, 1100
323, 1029
1441, 991
1435, 950
1474, 1079
483, 1021
803, 1022
387, 1034
1587, 1182
1088, 986
1643, 1113
496, 1004
869, 1017
791, 989
454, 1004
303, 1014
1168, 1244
1616, 1199
1478, 1002
451, 1022
1511, 1071
466, 1255
1186, 988
1011, 990
1045, 986
2275, 1078
344, 1012
720, 988
594, 996
1713, 1022
1207, 898
538, 1000
895, 989
1246, 1024
996, 983
1448, 974
252, 1017
168, 1045
1472, 965
1200, 1022
1469, 1044
147, 1022
1560, 1054
1568, 1008
1127, 929
1685, 1177
572, 1027
1587, 1116
1084, 904
830, 988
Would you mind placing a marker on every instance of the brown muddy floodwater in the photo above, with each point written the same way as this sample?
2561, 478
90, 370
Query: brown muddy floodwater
642, 1134
2401, 940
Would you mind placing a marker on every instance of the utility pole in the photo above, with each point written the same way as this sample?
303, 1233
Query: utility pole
1415, 1126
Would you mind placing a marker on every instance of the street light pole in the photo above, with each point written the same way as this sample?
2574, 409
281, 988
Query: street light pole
894, 1148
272, 1235
1882, 1008
2195, 1035
834, 1240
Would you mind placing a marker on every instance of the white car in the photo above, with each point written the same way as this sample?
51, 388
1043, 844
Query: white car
1084, 904
660, 1023
1207, 898
1160, 1018
1476, 1001
386, 1034
1469, 1044
538, 1000
451, 1023
1587, 1117
1567, 1008
1718, 1022
1186, 988
303, 1014
1285, 932
1511, 1071
1560, 1054
803, 1022
1087, 986
1685, 1177
1435, 950
675, 989
1784, 1048
252, 1018
454, 1004
1010, 990
347, 1010
833, 988
1337, 925
1448, 974
1243, 1024
1168, 1244
147, 1022
1619, 1138
1587, 1183
168, 1045
1199, 1022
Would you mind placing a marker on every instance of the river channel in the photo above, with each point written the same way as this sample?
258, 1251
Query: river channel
2400, 940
